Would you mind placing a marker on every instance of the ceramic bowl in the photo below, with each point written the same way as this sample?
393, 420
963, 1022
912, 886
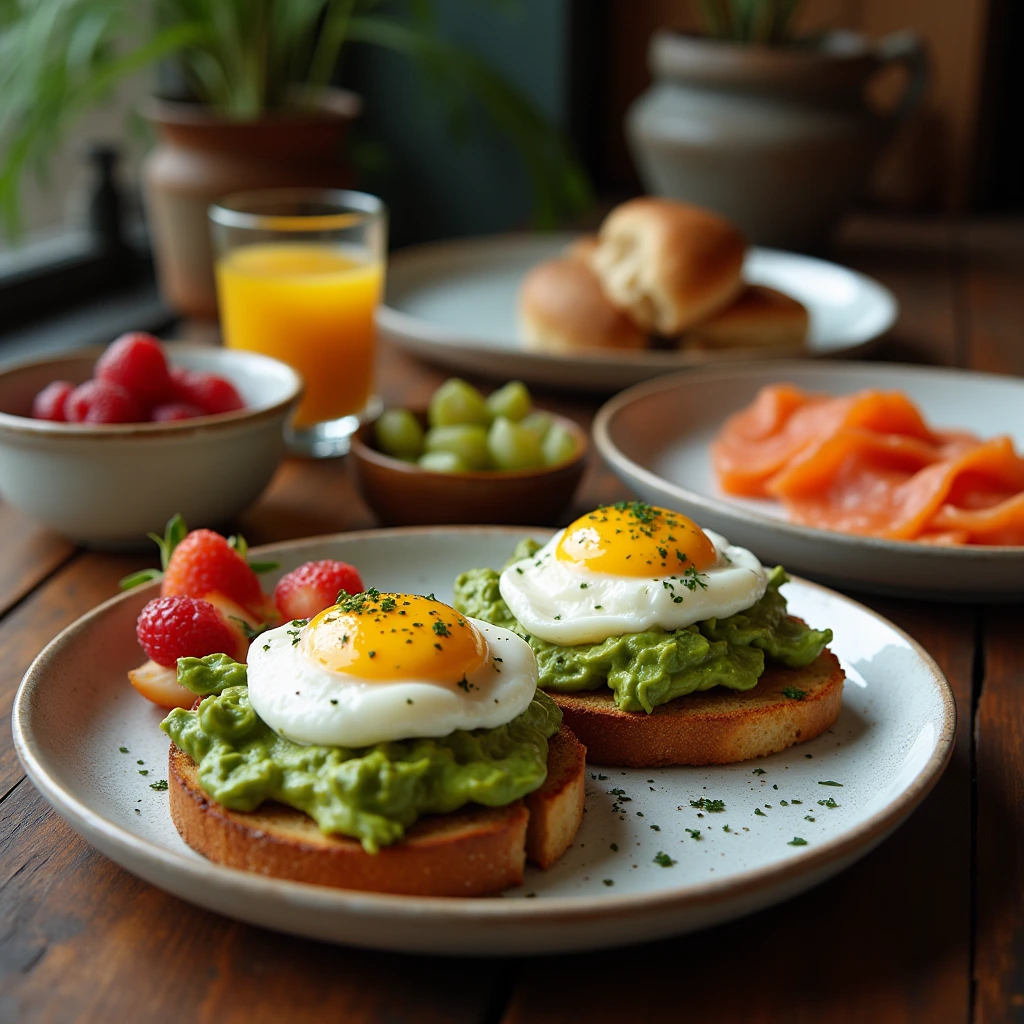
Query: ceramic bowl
402, 494
108, 486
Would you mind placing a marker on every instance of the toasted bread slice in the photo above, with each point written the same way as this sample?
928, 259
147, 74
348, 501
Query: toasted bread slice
473, 852
719, 726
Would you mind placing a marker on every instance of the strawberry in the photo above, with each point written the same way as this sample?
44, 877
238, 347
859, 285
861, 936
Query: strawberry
197, 563
136, 362
211, 393
49, 403
313, 587
176, 627
101, 401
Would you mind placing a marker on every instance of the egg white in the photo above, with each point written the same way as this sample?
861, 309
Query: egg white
569, 605
294, 696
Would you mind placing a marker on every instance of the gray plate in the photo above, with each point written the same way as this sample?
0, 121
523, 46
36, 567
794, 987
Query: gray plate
454, 303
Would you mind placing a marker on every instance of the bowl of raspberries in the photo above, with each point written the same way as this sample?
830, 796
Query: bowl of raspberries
104, 445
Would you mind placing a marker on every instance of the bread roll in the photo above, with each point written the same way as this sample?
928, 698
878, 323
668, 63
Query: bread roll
562, 308
760, 318
669, 265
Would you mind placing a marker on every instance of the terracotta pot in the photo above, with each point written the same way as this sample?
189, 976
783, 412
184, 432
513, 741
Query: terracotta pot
779, 140
201, 156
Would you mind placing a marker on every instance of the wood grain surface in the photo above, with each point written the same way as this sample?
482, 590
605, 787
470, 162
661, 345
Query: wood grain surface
929, 927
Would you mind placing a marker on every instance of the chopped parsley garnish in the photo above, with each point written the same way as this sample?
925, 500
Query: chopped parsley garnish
124, 750
808, 817
662, 859
440, 628
797, 841
705, 804
760, 813
388, 604
758, 771
160, 785
793, 693
145, 771
830, 802
607, 881
694, 833
839, 784
655, 828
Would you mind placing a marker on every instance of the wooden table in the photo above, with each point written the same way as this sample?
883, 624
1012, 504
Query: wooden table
929, 927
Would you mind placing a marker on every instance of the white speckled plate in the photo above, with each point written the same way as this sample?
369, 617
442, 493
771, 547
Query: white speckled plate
75, 710
657, 438
454, 303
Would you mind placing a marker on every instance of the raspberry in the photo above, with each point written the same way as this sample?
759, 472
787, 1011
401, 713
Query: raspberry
49, 403
172, 411
313, 587
170, 628
136, 362
101, 401
211, 393
203, 562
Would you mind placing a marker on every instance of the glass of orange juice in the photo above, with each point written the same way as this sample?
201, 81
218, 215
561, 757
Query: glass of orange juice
299, 276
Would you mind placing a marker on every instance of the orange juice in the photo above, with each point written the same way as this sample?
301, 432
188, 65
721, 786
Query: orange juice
311, 306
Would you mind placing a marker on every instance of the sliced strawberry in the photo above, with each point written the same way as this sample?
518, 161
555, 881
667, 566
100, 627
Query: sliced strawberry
159, 683
314, 586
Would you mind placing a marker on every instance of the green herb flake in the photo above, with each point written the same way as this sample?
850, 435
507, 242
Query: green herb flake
662, 859
760, 813
695, 833
839, 784
797, 841
607, 881
830, 803
124, 750
614, 847
145, 771
793, 693
758, 771
160, 785
706, 804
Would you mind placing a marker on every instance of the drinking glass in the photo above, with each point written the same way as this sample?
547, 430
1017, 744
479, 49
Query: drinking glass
300, 274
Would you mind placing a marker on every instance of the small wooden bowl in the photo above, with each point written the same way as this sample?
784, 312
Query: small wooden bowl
402, 494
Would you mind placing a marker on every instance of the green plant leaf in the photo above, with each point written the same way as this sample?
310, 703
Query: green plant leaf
261, 567
136, 579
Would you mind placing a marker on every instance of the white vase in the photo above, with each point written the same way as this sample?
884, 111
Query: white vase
780, 140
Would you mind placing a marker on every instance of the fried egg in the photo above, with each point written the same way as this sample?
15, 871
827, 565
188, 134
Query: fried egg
625, 568
379, 667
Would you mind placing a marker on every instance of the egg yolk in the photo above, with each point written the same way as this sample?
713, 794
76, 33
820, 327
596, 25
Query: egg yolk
380, 637
631, 538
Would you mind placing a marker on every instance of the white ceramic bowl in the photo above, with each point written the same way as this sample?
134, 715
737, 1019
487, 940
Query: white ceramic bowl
111, 485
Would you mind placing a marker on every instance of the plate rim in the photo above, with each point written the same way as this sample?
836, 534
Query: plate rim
620, 462
413, 331
555, 909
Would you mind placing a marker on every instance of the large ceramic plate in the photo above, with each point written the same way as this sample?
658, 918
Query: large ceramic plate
75, 711
454, 303
656, 437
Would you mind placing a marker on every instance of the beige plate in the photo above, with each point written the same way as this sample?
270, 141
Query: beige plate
75, 710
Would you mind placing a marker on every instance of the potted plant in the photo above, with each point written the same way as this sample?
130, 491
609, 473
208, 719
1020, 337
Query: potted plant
244, 103
770, 129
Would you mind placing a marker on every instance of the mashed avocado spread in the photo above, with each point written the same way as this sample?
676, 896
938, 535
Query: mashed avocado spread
372, 794
653, 667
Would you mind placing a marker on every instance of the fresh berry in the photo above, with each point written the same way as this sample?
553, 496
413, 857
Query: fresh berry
136, 362
211, 393
175, 411
313, 587
49, 403
204, 561
170, 628
101, 401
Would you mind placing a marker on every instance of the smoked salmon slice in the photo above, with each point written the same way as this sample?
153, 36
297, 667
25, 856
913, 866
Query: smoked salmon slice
869, 464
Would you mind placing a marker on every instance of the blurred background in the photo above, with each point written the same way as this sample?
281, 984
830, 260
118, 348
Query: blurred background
470, 118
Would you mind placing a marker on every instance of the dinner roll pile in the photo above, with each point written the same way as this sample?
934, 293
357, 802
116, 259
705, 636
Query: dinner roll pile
659, 272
